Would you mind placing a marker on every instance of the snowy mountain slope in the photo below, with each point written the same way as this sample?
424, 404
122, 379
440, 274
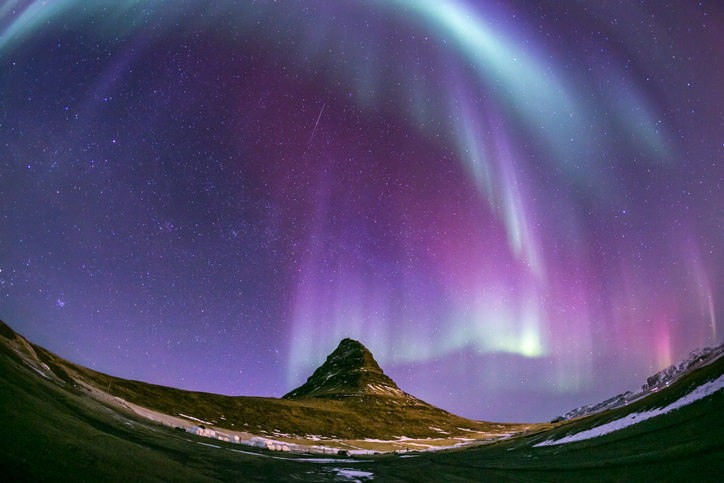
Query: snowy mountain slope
695, 359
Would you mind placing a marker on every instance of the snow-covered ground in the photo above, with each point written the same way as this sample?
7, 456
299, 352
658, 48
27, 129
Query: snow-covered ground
352, 475
700, 392
195, 419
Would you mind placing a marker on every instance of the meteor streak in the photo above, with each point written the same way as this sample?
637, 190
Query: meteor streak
315, 125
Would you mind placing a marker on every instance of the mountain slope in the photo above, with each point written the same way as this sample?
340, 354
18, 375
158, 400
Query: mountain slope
383, 412
694, 360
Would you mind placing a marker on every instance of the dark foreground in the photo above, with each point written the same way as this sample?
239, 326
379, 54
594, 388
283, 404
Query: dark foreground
51, 433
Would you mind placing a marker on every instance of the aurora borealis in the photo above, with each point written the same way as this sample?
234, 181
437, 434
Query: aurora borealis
517, 207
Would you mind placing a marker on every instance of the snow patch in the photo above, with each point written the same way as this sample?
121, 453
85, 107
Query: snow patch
39, 371
207, 444
706, 389
326, 460
207, 433
194, 419
353, 475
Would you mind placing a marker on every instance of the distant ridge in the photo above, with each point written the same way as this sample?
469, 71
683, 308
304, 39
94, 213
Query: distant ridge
351, 370
663, 378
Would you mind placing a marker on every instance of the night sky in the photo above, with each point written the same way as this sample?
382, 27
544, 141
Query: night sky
518, 207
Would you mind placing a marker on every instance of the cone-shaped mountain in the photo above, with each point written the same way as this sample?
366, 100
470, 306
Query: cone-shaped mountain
350, 370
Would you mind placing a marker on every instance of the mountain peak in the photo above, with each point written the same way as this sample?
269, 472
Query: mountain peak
353, 354
350, 370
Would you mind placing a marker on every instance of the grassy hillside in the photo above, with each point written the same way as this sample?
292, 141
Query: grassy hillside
366, 416
52, 433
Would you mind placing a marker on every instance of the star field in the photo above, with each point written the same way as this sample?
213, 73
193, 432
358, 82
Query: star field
516, 207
